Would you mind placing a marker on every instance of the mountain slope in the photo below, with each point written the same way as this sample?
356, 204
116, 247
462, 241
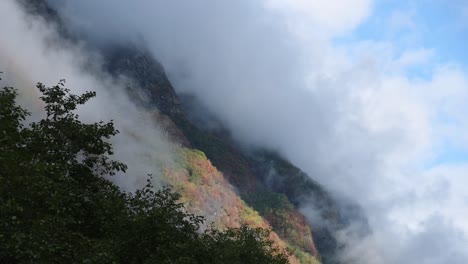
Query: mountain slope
203, 187
218, 179
249, 172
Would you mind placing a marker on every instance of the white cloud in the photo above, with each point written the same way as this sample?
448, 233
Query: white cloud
414, 58
332, 15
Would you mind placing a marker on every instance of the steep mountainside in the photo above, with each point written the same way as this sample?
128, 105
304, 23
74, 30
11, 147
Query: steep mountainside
259, 176
218, 179
206, 190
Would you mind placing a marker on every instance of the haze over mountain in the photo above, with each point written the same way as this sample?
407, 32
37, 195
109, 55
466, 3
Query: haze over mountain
357, 94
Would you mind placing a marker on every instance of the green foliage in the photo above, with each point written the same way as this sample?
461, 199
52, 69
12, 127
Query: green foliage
198, 153
302, 256
195, 172
250, 216
287, 178
242, 245
55, 206
286, 221
265, 201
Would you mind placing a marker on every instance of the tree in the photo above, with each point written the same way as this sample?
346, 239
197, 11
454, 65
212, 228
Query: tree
242, 245
53, 203
55, 206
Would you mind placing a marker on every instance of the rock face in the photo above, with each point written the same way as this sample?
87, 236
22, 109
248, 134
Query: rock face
148, 79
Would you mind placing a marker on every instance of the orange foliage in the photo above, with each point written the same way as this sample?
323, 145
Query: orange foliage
205, 191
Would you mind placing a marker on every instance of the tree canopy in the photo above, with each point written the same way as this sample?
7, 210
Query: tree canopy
55, 206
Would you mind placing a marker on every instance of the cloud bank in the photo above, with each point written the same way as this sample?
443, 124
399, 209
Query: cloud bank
350, 114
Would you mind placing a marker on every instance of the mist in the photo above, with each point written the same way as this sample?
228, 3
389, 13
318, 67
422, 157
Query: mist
32, 51
348, 114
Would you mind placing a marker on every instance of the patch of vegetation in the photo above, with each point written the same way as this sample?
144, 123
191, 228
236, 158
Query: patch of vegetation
302, 256
285, 220
251, 217
283, 177
192, 158
221, 153
265, 201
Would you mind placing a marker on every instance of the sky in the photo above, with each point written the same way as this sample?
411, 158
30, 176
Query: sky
438, 25
367, 97
438, 30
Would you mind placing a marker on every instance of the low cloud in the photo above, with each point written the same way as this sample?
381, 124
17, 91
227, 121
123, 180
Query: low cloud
31, 51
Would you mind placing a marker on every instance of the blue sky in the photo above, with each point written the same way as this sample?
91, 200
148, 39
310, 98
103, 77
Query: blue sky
438, 25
